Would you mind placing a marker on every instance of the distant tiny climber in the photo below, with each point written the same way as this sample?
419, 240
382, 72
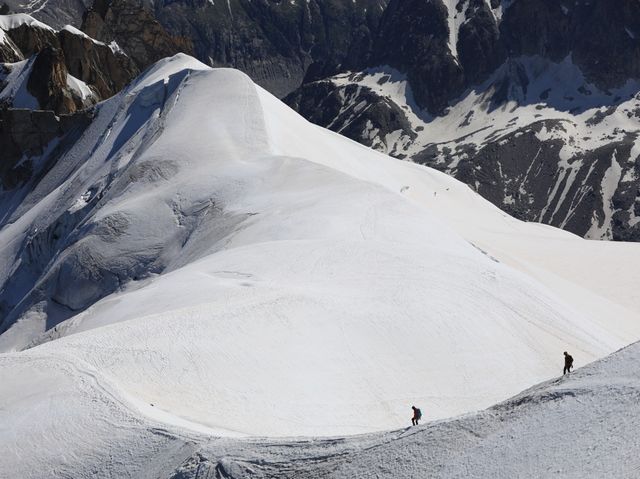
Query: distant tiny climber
568, 363
417, 415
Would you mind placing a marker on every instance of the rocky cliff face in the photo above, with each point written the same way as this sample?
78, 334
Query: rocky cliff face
601, 37
414, 38
48, 82
594, 194
9, 52
134, 29
442, 46
278, 43
356, 111
447, 46
25, 136
63, 71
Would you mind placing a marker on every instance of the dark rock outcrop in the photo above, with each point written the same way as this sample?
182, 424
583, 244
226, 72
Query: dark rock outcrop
135, 30
48, 82
602, 39
414, 39
548, 190
279, 44
58, 54
479, 45
25, 134
355, 112
30, 39
9, 51
96, 64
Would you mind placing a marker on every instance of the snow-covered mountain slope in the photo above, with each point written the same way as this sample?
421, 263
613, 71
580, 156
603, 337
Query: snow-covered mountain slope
220, 262
583, 425
536, 138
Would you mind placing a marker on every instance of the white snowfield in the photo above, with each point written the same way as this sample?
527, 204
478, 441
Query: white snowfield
301, 285
581, 425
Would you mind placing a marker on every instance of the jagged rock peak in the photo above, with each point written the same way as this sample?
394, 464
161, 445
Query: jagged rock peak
63, 70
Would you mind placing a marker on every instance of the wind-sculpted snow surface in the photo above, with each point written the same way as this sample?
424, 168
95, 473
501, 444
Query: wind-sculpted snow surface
204, 258
582, 425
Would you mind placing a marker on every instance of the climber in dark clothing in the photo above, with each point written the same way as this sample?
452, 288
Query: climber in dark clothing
417, 415
568, 363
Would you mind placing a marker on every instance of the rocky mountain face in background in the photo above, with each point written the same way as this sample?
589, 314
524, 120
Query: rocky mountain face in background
134, 29
533, 103
448, 46
25, 135
278, 43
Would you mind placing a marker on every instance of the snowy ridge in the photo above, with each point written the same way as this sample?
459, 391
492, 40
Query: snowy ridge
218, 264
75, 31
9, 22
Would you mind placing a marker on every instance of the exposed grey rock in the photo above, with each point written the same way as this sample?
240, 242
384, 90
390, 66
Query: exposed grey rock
278, 44
134, 28
354, 111
9, 51
603, 40
25, 134
414, 38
